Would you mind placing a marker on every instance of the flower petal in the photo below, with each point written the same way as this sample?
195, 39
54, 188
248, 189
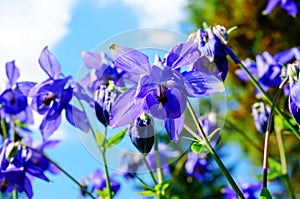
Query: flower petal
77, 118
49, 64
48, 127
174, 127
270, 6
126, 108
130, 60
12, 72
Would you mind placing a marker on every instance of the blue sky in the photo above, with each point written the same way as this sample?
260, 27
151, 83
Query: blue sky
69, 27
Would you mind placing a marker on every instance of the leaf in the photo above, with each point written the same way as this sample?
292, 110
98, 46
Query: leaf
265, 194
115, 139
198, 147
147, 193
162, 186
100, 138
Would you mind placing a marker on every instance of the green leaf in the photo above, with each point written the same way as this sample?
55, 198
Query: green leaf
100, 138
162, 186
115, 139
103, 193
147, 193
198, 147
265, 194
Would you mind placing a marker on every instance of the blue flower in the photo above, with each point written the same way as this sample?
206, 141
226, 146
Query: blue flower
53, 96
248, 190
261, 114
99, 182
196, 166
15, 168
289, 5
161, 90
14, 99
294, 97
266, 68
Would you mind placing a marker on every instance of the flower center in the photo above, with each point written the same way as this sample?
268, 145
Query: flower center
161, 94
48, 99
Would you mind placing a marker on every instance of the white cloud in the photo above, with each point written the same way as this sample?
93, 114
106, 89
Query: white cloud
158, 13
26, 27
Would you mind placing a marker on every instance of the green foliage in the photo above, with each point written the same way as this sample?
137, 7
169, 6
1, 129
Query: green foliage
115, 139
265, 194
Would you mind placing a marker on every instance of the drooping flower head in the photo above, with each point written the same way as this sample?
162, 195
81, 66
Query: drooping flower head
196, 166
294, 97
141, 133
261, 114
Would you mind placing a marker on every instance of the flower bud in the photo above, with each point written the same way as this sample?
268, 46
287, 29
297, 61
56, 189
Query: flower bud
261, 114
141, 133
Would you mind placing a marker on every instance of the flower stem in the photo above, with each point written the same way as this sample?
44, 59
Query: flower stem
149, 169
142, 182
4, 130
158, 161
267, 135
15, 193
62, 170
213, 152
108, 185
257, 85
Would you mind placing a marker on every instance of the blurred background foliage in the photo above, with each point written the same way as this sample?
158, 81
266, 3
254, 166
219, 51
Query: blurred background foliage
256, 33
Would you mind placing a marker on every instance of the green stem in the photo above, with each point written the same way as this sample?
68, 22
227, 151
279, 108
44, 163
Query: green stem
149, 169
4, 130
62, 170
257, 85
284, 170
213, 152
268, 131
15, 193
158, 161
108, 185
143, 183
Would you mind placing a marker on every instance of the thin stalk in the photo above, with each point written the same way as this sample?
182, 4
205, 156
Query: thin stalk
149, 169
15, 193
102, 151
106, 174
62, 170
284, 169
143, 183
267, 135
213, 152
4, 130
257, 85
158, 161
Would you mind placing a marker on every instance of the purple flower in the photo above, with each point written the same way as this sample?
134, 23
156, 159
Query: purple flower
294, 97
196, 166
99, 183
289, 5
14, 99
53, 96
131, 162
261, 114
161, 91
248, 190
15, 168
141, 133
266, 68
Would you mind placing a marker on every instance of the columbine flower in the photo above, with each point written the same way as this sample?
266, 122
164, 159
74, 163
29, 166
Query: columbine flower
248, 190
141, 133
196, 166
53, 96
266, 68
161, 91
13, 101
212, 44
15, 167
261, 114
289, 5
99, 183
294, 99
131, 162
